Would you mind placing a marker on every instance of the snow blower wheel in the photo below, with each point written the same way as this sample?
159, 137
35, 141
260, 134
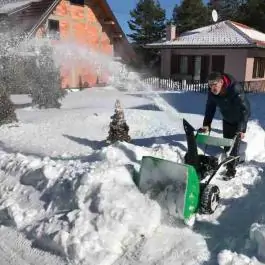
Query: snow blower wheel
210, 198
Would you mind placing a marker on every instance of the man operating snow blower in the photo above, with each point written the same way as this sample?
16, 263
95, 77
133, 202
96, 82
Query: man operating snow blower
227, 94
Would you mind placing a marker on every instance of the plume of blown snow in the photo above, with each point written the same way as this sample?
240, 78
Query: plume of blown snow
255, 139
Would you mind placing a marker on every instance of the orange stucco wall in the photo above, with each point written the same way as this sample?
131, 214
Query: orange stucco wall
80, 28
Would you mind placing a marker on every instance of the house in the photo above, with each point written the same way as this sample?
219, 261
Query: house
226, 46
86, 23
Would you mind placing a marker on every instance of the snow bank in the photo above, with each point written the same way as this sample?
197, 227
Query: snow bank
15, 249
228, 257
87, 212
83, 204
172, 246
257, 236
91, 212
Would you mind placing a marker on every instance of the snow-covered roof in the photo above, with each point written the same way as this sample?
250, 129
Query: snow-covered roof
25, 14
223, 34
36, 11
12, 5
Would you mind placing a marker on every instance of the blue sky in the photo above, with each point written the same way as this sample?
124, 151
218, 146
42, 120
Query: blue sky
121, 9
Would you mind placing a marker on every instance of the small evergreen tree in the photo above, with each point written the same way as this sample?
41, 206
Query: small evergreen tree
189, 15
46, 91
119, 129
147, 24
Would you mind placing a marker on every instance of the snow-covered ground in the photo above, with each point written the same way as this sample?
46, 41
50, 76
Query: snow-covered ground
63, 189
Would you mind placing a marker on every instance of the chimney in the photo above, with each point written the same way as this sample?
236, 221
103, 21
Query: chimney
170, 32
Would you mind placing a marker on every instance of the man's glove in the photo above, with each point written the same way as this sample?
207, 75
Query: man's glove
242, 135
204, 129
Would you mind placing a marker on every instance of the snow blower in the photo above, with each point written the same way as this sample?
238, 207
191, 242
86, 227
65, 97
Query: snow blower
189, 181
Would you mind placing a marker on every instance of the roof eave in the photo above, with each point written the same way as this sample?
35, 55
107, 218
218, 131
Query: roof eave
260, 45
15, 10
171, 46
117, 24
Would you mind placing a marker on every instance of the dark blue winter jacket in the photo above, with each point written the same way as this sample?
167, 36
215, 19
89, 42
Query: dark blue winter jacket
234, 105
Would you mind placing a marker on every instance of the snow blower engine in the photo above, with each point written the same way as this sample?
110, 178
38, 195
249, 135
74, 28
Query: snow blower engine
189, 181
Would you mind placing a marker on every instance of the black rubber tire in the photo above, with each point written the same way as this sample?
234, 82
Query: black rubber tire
210, 198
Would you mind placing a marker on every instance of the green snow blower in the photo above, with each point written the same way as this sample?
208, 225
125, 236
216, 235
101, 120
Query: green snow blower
189, 182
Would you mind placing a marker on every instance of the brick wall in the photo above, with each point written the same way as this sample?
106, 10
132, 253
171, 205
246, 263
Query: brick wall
80, 24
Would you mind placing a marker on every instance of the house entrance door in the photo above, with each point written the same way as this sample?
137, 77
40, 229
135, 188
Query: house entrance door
205, 63
218, 63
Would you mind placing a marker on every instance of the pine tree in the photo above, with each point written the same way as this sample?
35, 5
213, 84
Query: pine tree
254, 14
147, 24
189, 15
119, 129
46, 91
8, 78
7, 109
227, 9
12, 58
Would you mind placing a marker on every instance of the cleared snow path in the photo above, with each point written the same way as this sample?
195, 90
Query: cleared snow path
168, 245
16, 249
241, 206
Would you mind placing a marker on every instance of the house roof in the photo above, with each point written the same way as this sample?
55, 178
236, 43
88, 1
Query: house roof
29, 9
28, 15
36, 10
223, 34
8, 6
25, 14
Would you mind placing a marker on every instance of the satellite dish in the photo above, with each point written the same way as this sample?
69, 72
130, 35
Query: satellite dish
214, 15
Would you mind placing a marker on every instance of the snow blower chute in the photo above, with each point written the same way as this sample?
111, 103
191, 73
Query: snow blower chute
190, 180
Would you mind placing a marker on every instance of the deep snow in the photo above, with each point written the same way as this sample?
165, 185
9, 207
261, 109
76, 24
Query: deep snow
71, 195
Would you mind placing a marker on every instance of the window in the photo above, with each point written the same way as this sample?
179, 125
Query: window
183, 64
258, 67
205, 65
218, 63
77, 2
53, 29
175, 63
197, 67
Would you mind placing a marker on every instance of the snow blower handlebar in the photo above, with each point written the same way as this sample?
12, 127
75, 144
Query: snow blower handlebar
203, 132
204, 163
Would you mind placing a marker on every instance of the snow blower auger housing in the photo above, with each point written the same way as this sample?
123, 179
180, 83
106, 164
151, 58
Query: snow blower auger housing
190, 180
